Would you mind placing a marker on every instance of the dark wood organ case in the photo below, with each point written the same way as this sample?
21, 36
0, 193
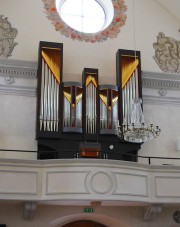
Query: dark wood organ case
79, 120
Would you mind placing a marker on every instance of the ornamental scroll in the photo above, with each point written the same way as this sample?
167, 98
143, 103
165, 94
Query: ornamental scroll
167, 53
7, 36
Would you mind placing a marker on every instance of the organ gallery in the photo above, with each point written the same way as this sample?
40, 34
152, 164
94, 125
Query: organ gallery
79, 120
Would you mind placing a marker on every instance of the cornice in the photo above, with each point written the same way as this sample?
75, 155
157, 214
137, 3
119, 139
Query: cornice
161, 88
18, 69
18, 90
161, 80
20, 77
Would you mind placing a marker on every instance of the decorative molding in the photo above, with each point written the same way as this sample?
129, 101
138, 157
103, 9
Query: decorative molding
20, 78
111, 31
57, 184
16, 182
100, 182
7, 36
140, 189
9, 80
163, 187
165, 81
18, 90
165, 88
29, 210
65, 181
162, 92
150, 211
18, 69
167, 53
163, 100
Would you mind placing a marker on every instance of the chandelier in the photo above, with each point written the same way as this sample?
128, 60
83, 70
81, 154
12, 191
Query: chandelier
136, 131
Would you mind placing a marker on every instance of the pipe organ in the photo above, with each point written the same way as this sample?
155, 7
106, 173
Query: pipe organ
79, 120
72, 107
49, 82
91, 104
108, 95
129, 80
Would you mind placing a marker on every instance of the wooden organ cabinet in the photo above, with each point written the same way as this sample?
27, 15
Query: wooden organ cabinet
79, 120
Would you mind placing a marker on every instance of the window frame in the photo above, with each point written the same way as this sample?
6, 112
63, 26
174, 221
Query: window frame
113, 29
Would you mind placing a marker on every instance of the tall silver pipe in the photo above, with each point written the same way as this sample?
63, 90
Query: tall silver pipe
123, 104
42, 97
45, 96
126, 104
48, 99
133, 87
87, 109
52, 103
94, 106
115, 115
93, 109
57, 105
90, 112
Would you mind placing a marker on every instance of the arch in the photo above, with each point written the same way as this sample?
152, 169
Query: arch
83, 223
100, 218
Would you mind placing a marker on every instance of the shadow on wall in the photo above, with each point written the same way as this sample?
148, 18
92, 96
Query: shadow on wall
101, 219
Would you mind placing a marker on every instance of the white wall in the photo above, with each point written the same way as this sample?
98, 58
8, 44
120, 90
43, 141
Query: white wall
32, 24
167, 117
47, 216
17, 115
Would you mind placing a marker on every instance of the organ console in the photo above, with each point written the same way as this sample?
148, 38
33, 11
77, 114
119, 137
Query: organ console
79, 120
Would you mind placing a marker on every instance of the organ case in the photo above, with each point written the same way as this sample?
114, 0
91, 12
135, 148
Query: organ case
80, 119
49, 89
128, 63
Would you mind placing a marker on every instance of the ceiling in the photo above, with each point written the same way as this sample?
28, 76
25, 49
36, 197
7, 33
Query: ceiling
172, 7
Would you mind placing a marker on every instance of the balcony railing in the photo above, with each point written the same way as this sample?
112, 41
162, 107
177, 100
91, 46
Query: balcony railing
75, 154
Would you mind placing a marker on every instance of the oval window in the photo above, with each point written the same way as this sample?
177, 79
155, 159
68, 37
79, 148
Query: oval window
87, 20
86, 16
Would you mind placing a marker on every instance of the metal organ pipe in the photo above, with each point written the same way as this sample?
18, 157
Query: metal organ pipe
49, 100
91, 108
130, 92
108, 108
72, 107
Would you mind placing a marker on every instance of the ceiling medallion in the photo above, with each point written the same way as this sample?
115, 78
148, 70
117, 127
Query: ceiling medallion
111, 31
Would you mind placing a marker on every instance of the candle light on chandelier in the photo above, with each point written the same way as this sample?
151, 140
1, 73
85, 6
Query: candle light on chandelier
136, 130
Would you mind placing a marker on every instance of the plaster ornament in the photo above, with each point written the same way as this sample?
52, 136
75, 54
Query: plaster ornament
7, 36
111, 31
162, 92
9, 80
167, 53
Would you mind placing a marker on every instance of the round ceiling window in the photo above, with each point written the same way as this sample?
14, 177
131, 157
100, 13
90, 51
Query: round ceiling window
87, 20
86, 16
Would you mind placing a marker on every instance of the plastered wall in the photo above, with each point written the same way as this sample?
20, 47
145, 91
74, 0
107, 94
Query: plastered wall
29, 18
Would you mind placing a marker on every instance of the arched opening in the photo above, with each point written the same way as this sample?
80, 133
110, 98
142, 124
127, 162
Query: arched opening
101, 219
84, 223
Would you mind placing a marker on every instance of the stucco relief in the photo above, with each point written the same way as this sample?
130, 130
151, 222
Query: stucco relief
7, 36
167, 53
